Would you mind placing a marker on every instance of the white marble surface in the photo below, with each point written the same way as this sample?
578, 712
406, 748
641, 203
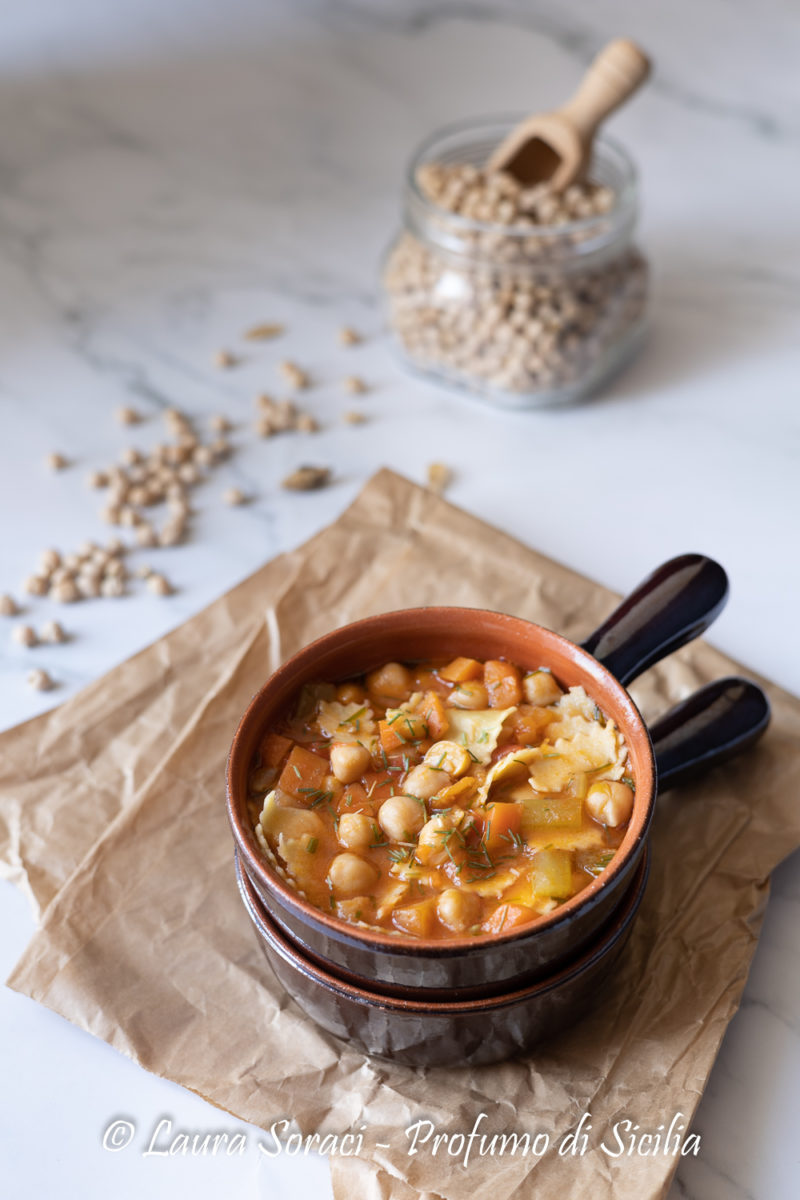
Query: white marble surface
170, 174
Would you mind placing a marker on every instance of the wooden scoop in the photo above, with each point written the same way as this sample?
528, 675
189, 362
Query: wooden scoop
557, 146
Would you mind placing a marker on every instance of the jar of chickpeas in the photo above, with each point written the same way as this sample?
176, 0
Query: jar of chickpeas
523, 295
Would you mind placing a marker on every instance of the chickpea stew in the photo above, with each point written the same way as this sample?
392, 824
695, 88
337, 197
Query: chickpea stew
438, 799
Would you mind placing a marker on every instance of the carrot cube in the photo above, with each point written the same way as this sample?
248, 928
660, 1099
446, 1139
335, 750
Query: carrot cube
461, 669
503, 683
433, 713
503, 826
303, 774
273, 748
508, 916
416, 919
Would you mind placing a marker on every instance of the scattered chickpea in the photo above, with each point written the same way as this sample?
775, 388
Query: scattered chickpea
130, 456
352, 417
24, 635
35, 585
306, 479
439, 477
128, 416
203, 456
143, 571
159, 585
234, 496
52, 631
8, 605
88, 586
146, 536
49, 560
97, 479
40, 680
112, 586
306, 423
172, 534
66, 592
224, 359
72, 562
294, 375
116, 546
348, 336
189, 474
56, 461
221, 448
354, 385
219, 424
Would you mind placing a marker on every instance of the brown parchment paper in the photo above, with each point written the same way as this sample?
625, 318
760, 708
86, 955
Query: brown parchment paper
113, 818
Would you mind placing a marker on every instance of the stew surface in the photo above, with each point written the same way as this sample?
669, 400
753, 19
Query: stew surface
441, 799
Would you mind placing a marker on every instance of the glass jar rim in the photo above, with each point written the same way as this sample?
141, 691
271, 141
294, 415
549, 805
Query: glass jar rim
605, 148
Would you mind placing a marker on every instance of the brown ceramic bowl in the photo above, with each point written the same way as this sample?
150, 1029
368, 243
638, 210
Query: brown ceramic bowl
434, 1033
676, 603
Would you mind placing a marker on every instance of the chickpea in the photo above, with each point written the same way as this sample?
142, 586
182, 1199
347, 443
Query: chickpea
350, 875
296, 823
401, 818
469, 694
541, 689
610, 802
349, 760
435, 839
449, 757
350, 693
392, 681
356, 831
425, 781
458, 910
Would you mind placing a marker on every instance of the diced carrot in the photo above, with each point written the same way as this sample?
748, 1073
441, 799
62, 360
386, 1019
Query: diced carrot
461, 669
390, 736
380, 785
303, 774
460, 793
502, 682
273, 748
433, 712
528, 723
416, 919
503, 825
508, 916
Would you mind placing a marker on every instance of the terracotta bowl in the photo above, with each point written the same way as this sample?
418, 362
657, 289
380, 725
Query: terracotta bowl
434, 1033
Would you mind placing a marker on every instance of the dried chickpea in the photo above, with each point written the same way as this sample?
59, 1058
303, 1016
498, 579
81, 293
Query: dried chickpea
24, 635
128, 416
112, 586
97, 479
49, 560
159, 585
35, 585
52, 631
66, 592
354, 385
224, 359
56, 461
40, 680
348, 336
8, 605
234, 496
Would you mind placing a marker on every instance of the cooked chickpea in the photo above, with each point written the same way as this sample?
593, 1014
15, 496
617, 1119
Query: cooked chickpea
393, 680
449, 757
350, 875
541, 689
469, 694
432, 846
401, 818
350, 693
458, 910
349, 761
356, 831
610, 802
425, 781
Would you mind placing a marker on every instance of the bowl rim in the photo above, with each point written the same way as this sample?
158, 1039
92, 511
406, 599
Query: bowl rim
609, 935
298, 669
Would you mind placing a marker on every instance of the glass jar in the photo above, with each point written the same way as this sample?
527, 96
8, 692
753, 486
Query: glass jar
521, 314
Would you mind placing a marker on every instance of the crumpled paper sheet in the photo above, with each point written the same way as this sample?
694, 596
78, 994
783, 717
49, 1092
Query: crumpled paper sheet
113, 818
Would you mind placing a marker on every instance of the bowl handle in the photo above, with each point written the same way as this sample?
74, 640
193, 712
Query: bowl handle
712, 725
672, 606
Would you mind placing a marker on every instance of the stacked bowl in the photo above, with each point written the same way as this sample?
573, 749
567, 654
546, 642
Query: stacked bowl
479, 999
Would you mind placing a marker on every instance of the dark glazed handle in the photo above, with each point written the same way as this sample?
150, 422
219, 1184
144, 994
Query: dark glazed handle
672, 606
715, 723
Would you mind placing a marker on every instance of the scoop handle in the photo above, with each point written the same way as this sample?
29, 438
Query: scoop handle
714, 724
671, 607
619, 69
